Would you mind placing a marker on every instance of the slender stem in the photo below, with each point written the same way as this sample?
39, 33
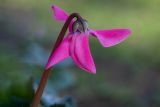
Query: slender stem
40, 89
46, 72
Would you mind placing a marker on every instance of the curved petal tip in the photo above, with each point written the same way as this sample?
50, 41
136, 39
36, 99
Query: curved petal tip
111, 37
61, 53
59, 14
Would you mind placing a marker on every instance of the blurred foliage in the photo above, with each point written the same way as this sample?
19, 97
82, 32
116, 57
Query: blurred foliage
128, 75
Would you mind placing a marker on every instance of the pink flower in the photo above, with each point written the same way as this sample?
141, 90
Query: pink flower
76, 45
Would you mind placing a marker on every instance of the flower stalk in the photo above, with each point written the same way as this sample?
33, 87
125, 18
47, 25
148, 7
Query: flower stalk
44, 78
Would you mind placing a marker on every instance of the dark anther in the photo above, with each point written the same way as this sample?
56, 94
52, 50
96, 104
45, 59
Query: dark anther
80, 25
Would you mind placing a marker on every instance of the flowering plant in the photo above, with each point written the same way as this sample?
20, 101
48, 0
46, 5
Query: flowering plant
76, 45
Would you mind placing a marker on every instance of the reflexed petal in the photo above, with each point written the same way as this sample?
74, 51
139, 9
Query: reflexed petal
80, 52
111, 37
60, 53
59, 14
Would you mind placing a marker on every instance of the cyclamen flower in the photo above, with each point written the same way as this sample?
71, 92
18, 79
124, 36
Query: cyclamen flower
76, 44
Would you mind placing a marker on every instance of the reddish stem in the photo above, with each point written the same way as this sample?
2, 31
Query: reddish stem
44, 78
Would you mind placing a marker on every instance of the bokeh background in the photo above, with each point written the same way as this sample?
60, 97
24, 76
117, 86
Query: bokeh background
128, 74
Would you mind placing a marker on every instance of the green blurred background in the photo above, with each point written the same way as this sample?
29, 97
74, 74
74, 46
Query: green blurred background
128, 74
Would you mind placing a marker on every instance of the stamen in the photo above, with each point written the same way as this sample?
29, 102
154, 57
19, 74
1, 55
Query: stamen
80, 25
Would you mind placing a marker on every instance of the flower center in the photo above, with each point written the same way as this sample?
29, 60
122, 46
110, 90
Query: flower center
80, 25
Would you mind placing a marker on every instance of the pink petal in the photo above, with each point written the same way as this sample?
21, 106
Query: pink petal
80, 52
111, 37
61, 53
59, 14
